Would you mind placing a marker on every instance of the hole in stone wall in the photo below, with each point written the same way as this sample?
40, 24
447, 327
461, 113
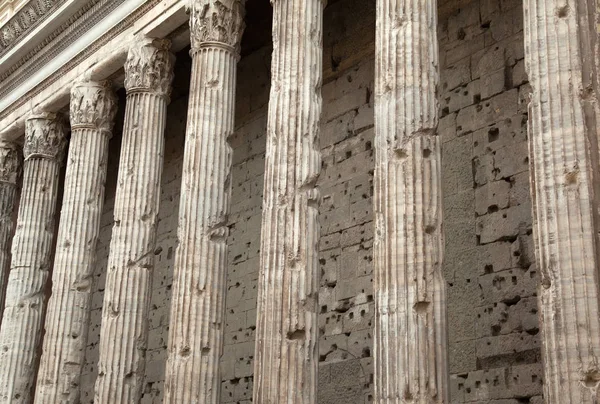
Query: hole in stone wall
493, 134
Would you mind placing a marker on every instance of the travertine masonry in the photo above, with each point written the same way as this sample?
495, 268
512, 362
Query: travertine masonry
93, 108
489, 266
22, 324
10, 169
410, 344
285, 369
494, 345
561, 60
198, 304
123, 339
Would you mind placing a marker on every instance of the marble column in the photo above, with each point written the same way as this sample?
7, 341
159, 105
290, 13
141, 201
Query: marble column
286, 357
93, 108
199, 284
561, 51
21, 331
410, 347
124, 332
10, 168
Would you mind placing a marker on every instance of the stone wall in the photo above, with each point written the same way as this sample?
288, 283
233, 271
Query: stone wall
494, 341
492, 279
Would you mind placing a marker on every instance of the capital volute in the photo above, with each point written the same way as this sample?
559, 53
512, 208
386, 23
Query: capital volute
149, 67
216, 23
10, 162
45, 137
93, 106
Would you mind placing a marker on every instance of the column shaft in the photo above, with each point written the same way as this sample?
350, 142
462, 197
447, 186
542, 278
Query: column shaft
124, 332
10, 167
21, 331
410, 325
199, 285
561, 51
286, 361
93, 107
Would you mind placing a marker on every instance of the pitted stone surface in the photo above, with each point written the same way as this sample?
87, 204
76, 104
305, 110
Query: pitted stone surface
481, 277
197, 322
93, 107
31, 262
124, 329
10, 170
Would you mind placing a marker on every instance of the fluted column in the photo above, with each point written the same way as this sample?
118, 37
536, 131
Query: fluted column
21, 331
199, 284
10, 168
410, 324
561, 53
286, 360
124, 332
93, 108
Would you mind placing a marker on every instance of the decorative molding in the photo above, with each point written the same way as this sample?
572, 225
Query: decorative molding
25, 20
93, 105
97, 44
10, 162
59, 40
149, 67
45, 137
216, 22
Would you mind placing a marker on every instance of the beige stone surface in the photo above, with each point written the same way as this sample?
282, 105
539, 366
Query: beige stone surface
198, 303
93, 108
10, 169
287, 335
563, 134
410, 342
21, 330
124, 334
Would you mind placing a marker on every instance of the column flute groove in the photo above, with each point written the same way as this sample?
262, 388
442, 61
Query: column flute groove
124, 332
410, 341
21, 330
286, 356
10, 170
561, 51
93, 108
199, 284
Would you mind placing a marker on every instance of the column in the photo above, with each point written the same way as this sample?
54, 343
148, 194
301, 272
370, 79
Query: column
286, 360
410, 347
93, 108
21, 331
124, 332
199, 284
10, 168
561, 53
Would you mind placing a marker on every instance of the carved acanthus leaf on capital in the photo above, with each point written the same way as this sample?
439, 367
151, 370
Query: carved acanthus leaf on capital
10, 162
45, 137
216, 21
149, 67
93, 105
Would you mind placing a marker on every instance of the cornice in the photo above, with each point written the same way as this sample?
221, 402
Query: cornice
26, 19
61, 38
61, 42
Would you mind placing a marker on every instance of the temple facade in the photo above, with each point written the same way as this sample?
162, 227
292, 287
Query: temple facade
299, 201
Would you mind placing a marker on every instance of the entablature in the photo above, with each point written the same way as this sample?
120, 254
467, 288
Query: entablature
90, 39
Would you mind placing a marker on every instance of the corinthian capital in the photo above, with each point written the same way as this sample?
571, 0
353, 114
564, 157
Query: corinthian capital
216, 22
45, 137
93, 106
149, 67
10, 162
